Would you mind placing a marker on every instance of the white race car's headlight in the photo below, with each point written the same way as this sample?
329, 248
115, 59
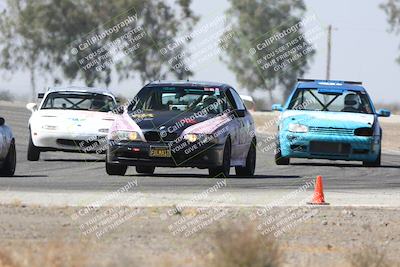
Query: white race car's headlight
49, 127
298, 128
125, 136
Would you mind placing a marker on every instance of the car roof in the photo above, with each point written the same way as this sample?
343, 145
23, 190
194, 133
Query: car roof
331, 84
187, 83
81, 90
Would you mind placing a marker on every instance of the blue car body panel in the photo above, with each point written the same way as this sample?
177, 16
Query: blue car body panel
333, 132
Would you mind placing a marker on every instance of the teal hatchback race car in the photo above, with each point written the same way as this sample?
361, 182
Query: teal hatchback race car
325, 119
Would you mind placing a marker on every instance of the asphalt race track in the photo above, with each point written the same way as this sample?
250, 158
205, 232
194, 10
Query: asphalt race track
68, 172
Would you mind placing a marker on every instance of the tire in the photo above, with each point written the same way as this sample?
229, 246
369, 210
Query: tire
115, 169
251, 158
145, 169
376, 163
10, 162
33, 151
223, 171
279, 160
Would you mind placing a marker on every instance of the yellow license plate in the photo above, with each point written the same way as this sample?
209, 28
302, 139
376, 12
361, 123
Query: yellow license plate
160, 152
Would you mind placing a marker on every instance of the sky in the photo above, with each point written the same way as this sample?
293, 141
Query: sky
362, 50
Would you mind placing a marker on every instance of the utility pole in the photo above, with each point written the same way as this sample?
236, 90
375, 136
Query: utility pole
328, 63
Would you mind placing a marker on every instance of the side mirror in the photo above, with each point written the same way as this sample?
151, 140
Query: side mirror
383, 113
240, 113
277, 107
2, 121
31, 106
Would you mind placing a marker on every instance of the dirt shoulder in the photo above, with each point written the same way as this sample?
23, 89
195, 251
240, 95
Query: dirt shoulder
266, 124
307, 236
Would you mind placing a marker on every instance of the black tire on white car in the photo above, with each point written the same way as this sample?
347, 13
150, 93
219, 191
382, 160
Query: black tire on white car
33, 151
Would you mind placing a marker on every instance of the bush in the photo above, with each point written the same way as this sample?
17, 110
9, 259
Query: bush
245, 247
369, 257
6, 96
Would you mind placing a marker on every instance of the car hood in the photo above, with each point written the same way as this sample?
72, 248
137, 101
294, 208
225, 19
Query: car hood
328, 119
74, 120
171, 121
180, 123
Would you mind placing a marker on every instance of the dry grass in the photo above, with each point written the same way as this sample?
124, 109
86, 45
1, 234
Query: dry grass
369, 257
243, 246
52, 254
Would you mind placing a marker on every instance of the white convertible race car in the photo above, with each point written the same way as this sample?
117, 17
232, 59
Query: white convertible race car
8, 156
71, 119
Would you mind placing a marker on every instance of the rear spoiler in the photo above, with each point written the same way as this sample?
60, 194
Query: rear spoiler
315, 80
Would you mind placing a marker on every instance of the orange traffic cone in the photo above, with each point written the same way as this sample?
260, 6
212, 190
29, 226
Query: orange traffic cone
318, 198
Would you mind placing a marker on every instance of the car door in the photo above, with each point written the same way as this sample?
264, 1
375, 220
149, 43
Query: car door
245, 135
240, 147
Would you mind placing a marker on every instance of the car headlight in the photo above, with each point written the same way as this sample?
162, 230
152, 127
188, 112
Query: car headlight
202, 138
297, 128
191, 137
49, 127
364, 131
125, 136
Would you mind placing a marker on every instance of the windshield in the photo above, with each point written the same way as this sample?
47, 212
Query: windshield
178, 98
330, 100
79, 101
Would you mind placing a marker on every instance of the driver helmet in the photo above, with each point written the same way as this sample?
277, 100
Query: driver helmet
352, 101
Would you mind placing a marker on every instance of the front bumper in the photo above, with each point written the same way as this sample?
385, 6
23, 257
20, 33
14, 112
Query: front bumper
138, 153
334, 147
59, 141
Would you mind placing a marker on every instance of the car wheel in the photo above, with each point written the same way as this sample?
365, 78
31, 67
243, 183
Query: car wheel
279, 160
145, 169
33, 151
226, 163
115, 169
10, 162
376, 163
250, 167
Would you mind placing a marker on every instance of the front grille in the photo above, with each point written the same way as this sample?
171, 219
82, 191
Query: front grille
77, 143
154, 136
317, 147
331, 131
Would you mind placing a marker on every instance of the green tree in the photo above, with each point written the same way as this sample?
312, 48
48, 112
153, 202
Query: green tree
21, 39
254, 21
392, 10
46, 31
